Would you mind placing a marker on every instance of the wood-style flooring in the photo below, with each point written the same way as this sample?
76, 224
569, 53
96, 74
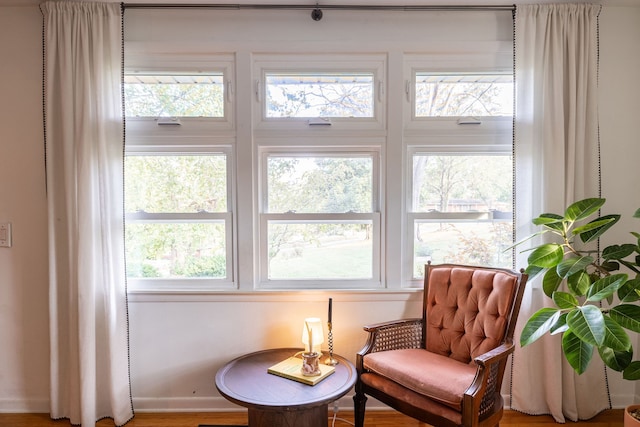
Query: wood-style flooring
611, 418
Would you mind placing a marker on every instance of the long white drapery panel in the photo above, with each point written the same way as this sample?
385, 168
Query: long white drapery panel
557, 163
84, 160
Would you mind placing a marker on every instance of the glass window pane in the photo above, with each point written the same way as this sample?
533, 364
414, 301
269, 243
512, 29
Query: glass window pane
320, 251
438, 95
462, 183
472, 243
319, 184
319, 95
176, 250
176, 184
174, 95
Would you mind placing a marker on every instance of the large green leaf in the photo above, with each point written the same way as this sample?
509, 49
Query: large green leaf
577, 352
589, 236
616, 360
550, 282
565, 300
637, 213
615, 337
547, 218
627, 315
583, 208
546, 256
573, 265
610, 265
533, 270
553, 222
579, 283
632, 372
618, 251
560, 326
538, 325
587, 322
592, 226
632, 266
525, 239
627, 292
606, 287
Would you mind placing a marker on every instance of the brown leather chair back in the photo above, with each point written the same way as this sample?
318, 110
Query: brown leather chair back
466, 310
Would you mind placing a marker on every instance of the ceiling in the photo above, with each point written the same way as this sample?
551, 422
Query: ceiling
354, 2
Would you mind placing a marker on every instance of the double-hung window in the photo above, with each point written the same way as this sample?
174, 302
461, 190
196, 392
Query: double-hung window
320, 131
320, 222
178, 180
178, 220
459, 169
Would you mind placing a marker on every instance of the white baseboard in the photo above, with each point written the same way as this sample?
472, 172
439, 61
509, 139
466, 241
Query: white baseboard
617, 401
24, 406
220, 404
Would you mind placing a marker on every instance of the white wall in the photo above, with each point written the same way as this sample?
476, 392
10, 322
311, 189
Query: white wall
24, 367
177, 344
620, 139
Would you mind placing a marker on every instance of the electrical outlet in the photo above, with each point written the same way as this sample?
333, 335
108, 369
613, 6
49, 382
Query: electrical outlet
5, 235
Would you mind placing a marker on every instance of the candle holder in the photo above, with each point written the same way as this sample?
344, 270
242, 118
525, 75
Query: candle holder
330, 361
310, 367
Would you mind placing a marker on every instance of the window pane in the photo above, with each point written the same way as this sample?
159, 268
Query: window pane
319, 184
176, 184
174, 96
176, 250
468, 200
474, 243
463, 183
320, 251
319, 95
463, 95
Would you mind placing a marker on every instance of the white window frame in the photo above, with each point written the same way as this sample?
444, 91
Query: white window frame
475, 64
374, 217
412, 217
227, 218
447, 135
443, 45
194, 135
309, 63
148, 127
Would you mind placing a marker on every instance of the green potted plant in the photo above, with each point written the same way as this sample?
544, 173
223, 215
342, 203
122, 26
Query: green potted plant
595, 292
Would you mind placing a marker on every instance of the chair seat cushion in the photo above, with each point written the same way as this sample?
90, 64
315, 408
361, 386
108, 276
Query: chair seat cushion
437, 377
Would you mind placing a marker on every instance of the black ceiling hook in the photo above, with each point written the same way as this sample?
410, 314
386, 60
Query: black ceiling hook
316, 14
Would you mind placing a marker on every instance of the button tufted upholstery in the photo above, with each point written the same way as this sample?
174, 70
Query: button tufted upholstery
467, 311
445, 368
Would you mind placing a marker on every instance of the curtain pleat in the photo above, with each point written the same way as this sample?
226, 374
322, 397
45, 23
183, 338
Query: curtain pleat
557, 163
84, 159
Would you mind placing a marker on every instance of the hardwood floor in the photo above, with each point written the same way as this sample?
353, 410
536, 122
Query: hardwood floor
612, 418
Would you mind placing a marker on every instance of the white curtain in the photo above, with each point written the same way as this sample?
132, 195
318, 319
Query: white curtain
84, 162
557, 163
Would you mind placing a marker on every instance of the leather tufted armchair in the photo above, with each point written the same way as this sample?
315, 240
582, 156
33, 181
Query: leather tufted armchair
446, 368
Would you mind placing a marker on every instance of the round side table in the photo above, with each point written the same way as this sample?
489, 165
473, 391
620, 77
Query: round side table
273, 401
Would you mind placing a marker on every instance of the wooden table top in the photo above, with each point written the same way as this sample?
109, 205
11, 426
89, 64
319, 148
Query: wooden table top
246, 382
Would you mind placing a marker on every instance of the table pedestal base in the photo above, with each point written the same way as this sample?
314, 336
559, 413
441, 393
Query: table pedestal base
308, 417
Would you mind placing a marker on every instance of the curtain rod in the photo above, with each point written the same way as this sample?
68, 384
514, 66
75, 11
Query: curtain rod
407, 8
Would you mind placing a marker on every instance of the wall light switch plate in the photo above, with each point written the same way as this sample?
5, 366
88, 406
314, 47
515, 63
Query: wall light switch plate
5, 234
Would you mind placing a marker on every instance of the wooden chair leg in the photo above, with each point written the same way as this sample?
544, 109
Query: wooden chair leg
359, 404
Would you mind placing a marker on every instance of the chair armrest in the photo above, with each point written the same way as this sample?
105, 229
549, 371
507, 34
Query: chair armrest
393, 335
479, 397
495, 355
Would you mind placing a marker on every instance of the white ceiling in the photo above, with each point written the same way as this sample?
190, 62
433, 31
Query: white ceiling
354, 2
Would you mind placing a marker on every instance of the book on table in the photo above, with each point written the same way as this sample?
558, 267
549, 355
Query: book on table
291, 368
